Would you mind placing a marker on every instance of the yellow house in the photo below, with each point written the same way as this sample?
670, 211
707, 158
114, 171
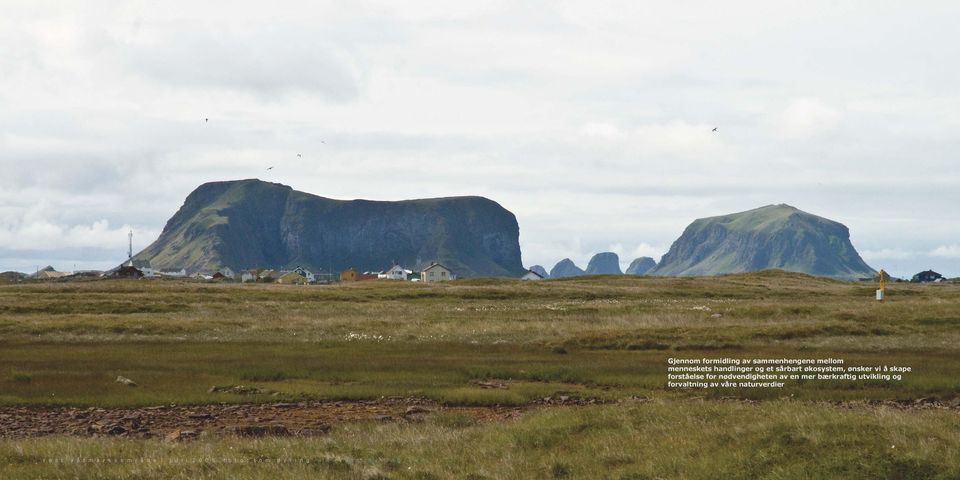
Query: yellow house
436, 273
292, 278
348, 275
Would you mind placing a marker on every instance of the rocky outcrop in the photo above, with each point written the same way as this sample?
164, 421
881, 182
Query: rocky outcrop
605, 263
641, 266
565, 268
251, 223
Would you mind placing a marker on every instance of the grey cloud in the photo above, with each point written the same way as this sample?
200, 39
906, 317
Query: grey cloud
265, 62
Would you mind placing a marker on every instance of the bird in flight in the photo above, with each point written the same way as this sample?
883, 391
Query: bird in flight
270, 168
714, 129
300, 156
205, 120
323, 142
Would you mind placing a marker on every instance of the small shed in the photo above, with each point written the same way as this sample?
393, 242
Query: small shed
531, 275
128, 271
349, 275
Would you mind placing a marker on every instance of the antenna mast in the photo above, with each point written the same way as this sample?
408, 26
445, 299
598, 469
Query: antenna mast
130, 247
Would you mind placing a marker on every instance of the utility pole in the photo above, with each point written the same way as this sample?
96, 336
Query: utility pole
130, 247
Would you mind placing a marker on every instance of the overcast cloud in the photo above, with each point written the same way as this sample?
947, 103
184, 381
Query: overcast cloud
591, 122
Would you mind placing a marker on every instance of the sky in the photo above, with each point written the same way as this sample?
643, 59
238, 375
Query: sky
590, 121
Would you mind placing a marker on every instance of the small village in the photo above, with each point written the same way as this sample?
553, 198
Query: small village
432, 272
139, 269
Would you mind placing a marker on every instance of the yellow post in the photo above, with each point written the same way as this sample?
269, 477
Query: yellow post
882, 291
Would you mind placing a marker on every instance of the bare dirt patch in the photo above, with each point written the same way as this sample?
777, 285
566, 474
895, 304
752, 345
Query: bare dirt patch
181, 422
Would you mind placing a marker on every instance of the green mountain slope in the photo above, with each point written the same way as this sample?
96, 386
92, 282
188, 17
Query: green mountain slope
251, 223
775, 236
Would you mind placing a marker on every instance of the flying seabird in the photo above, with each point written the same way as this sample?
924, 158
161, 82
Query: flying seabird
270, 168
301, 156
714, 129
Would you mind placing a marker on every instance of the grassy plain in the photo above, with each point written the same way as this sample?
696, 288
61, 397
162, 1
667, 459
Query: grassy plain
601, 337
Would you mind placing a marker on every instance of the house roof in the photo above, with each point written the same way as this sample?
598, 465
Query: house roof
531, 271
435, 265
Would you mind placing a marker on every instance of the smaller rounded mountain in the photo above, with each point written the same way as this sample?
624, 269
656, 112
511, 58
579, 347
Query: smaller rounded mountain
775, 236
641, 266
565, 268
604, 263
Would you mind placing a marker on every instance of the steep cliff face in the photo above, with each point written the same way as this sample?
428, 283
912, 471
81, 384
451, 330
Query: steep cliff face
251, 223
565, 268
604, 263
775, 236
641, 266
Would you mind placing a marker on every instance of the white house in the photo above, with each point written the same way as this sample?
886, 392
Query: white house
248, 276
174, 273
395, 272
227, 272
305, 274
531, 275
436, 273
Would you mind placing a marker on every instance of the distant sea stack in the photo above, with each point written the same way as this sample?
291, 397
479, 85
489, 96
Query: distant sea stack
565, 268
641, 266
250, 223
605, 263
540, 271
775, 236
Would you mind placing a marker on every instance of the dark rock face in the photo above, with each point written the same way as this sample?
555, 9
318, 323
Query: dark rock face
540, 271
605, 263
251, 223
565, 268
775, 236
641, 266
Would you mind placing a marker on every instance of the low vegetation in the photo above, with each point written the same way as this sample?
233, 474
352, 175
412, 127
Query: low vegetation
660, 439
487, 342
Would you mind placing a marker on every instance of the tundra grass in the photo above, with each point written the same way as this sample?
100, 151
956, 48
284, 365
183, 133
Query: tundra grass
451, 373
746, 311
601, 337
659, 439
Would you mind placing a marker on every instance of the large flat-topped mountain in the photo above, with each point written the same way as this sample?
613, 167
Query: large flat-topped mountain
251, 223
775, 236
